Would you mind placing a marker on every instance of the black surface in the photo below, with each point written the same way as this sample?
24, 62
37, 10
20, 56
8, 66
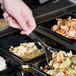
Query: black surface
1, 13
33, 4
50, 42
7, 30
49, 7
22, 73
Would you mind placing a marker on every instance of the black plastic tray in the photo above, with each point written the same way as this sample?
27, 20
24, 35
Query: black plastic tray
45, 29
15, 39
22, 72
11, 66
50, 42
43, 63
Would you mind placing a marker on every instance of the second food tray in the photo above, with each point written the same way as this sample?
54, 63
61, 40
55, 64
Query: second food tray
46, 29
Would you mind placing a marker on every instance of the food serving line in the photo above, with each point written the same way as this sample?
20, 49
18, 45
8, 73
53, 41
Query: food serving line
45, 20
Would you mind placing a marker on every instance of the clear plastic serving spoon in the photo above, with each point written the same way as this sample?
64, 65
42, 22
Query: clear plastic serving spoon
48, 50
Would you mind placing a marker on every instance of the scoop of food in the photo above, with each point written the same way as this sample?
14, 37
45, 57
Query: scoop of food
64, 64
26, 50
2, 64
66, 27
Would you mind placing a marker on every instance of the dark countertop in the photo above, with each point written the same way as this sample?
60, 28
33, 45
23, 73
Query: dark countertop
49, 10
48, 7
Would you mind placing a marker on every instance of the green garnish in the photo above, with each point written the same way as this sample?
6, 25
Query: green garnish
64, 55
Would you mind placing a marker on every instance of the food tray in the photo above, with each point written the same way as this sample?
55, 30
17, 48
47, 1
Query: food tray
45, 29
11, 66
43, 63
15, 39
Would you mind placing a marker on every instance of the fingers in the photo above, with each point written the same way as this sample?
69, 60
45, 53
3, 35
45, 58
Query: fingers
27, 23
11, 21
5, 14
29, 19
23, 23
20, 18
31, 23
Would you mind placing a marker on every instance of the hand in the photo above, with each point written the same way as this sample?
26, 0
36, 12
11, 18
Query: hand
18, 15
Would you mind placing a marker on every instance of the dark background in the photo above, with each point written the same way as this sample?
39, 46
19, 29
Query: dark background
40, 9
1, 12
31, 3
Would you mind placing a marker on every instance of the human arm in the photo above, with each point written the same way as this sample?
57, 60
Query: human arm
18, 15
